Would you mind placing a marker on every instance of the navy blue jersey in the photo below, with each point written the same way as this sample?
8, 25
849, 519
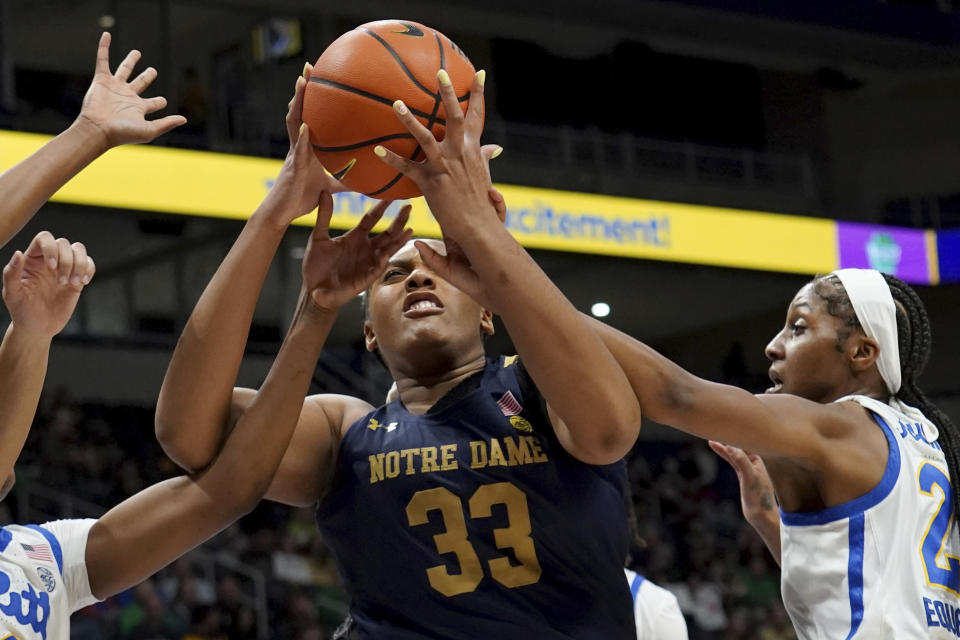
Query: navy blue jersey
472, 521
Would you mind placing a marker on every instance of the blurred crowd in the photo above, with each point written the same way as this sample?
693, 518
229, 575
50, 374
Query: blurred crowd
696, 544
694, 540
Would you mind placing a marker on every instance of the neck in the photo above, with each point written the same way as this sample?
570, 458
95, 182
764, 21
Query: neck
420, 392
872, 387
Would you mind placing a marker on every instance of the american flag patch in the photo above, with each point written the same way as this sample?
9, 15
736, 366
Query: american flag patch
40, 552
509, 405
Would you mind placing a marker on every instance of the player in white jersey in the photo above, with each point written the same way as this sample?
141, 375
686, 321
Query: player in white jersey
49, 571
656, 610
860, 460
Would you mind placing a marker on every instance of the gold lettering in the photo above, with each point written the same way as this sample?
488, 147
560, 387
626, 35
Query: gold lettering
478, 454
392, 464
496, 454
538, 453
408, 454
447, 452
376, 468
429, 457
517, 453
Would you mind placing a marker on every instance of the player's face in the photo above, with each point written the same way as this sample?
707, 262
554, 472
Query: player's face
415, 314
804, 357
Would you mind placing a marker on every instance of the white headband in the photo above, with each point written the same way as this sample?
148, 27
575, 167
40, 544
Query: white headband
873, 303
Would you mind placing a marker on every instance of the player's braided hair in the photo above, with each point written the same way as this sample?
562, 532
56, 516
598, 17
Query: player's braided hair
915, 339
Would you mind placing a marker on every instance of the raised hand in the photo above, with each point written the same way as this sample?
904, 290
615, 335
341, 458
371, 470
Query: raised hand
318, 176
114, 105
455, 177
757, 496
336, 270
42, 285
453, 265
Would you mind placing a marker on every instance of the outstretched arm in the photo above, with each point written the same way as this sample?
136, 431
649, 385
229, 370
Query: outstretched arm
151, 529
757, 497
194, 408
113, 113
593, 409
778, 425
40, 288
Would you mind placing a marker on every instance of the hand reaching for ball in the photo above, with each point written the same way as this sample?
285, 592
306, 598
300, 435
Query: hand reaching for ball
455, 177
318, 179
113, 103
41, 285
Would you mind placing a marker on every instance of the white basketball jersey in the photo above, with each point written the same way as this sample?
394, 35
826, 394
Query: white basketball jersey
656, 610
884, 565
43, 579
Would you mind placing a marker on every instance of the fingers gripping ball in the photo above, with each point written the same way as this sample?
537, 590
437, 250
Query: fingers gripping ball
348, 103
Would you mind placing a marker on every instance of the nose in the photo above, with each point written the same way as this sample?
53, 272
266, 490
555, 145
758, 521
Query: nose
774, 348
420, 278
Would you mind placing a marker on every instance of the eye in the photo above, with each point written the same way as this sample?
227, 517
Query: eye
796, 329
392, 274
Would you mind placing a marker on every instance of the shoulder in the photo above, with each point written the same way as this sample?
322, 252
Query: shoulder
832, 420
336, 411
658, 597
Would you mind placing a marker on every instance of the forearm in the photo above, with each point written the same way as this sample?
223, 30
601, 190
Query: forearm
581, 381
767, 524
193, 409
146, 532
23, 366
274, 410
26, 186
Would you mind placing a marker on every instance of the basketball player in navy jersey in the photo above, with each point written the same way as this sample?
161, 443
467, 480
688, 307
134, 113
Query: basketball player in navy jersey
487, 500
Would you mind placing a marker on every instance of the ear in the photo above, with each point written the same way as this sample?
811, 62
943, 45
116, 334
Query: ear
863, 353
486, 321
369, 339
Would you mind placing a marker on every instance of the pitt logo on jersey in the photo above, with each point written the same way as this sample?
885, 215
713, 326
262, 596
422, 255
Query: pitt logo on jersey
28, 606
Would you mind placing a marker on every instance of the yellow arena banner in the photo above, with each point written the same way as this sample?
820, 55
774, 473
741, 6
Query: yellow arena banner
202, 183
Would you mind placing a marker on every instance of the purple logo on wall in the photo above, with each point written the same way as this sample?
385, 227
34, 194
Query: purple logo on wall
895, 250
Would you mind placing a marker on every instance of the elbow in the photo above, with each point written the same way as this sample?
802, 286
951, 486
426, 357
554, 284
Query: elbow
609, 443
624, 427
172, 444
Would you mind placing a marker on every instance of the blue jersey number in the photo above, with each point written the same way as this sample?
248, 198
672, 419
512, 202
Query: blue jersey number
515, 536
948, 576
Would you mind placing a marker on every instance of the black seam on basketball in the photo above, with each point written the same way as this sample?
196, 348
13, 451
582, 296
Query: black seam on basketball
443, 62
351, 147
443, 57
436, 98
432, 120
365, 94
396, 57
395, 179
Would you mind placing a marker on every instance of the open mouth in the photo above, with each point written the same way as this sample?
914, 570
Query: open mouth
417, 305
776, 380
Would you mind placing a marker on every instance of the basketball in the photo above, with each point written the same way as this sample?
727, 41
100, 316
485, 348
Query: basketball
348, 101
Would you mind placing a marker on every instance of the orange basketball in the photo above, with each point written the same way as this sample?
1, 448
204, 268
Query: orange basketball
348, 103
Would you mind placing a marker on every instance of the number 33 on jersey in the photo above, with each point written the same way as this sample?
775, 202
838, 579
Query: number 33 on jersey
475, 520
